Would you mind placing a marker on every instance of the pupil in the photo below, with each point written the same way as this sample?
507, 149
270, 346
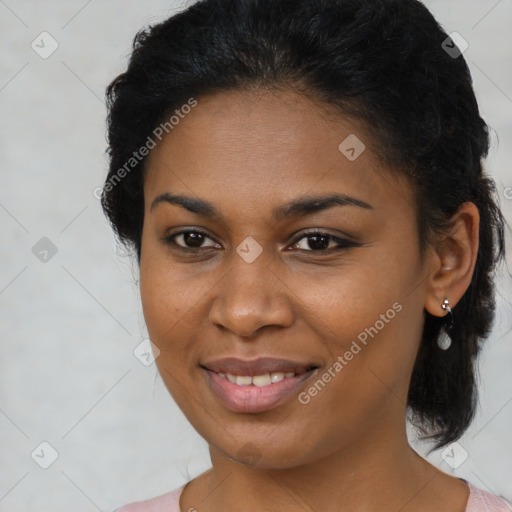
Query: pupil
193, 239
316, 245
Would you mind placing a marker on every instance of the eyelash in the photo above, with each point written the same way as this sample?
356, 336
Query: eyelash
343, 243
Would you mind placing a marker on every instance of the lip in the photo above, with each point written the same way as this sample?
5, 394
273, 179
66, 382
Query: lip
260, 366
254, 399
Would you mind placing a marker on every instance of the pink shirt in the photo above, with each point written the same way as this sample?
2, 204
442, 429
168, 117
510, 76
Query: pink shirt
479, 501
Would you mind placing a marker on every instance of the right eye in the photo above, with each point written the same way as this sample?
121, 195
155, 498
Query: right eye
191, 239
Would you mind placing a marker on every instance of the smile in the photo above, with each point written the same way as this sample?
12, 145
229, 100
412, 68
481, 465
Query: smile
256, 393
257, 380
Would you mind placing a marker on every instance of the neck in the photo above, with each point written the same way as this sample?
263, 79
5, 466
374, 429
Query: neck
374, 470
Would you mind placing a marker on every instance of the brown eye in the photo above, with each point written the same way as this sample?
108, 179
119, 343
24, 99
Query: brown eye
189, 240
319, 242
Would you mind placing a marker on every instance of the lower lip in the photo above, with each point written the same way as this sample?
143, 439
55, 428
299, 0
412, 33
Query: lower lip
254, 398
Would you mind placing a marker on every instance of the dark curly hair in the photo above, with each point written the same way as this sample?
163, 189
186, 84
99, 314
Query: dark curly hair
384, 62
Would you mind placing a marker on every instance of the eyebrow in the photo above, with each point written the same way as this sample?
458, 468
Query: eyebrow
299, 207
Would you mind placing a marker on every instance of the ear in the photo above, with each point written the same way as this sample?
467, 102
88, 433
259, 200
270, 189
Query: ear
453, 260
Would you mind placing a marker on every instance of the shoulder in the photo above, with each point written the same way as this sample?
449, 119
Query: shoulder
482, 501
168, 502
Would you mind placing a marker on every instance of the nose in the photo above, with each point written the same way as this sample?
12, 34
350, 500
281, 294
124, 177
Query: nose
252, 296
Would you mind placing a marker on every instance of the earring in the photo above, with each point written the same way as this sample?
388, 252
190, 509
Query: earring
444, 340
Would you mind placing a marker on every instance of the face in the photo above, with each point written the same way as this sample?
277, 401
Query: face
248, 267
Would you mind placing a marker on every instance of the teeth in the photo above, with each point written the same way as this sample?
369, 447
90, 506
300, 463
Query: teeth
261, 380
243, 380
278, 376
258, 380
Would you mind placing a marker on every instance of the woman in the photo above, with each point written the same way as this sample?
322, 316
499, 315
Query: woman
302, 183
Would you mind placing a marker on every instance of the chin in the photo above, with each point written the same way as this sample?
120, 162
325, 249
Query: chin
253, 456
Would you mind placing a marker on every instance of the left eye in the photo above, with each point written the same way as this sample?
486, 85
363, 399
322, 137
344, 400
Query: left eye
319, 242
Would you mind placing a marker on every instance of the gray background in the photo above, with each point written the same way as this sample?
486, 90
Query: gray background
69, 325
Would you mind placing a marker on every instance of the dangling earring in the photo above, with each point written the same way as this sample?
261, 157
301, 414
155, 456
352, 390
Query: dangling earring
444, 340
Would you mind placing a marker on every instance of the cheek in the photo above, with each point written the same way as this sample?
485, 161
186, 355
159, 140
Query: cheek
166, 294
364, 385
370, 325
341, 303
168, 305
168, 309
164, 301
174, 304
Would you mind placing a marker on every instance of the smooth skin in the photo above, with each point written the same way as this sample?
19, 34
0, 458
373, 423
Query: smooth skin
246, 153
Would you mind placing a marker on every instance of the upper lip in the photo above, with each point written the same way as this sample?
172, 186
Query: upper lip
260, 366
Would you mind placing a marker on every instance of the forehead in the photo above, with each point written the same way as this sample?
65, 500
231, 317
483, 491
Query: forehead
258, 148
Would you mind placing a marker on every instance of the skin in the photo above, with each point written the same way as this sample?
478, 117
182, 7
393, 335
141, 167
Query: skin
246, 153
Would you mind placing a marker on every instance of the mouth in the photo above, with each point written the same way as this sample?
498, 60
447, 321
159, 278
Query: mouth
265, 379
255, 386
257, 367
